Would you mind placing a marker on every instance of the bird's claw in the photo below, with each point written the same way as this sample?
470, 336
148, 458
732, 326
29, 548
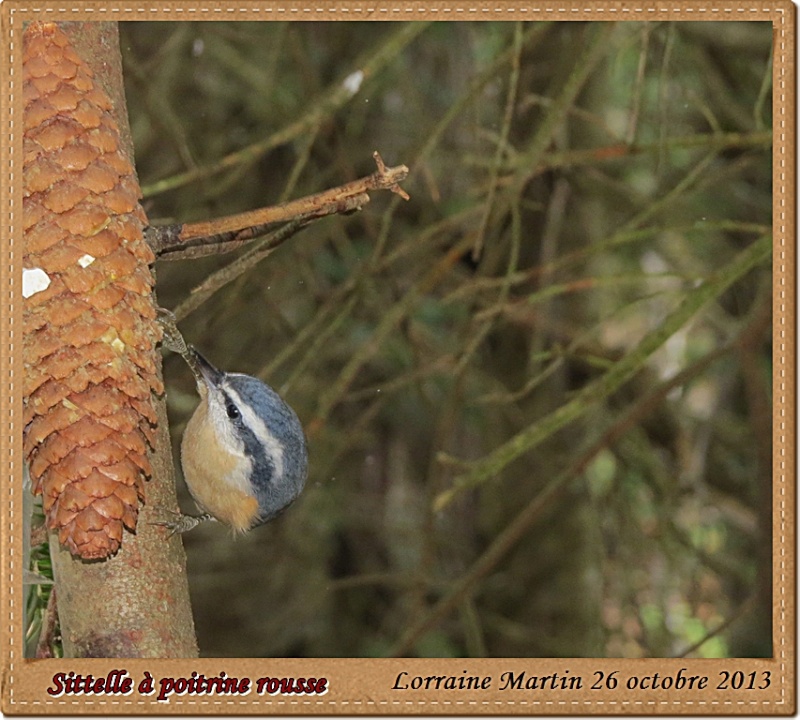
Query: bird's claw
181, 523
172, 340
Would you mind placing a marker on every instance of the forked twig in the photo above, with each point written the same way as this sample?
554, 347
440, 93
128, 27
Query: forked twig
189, 240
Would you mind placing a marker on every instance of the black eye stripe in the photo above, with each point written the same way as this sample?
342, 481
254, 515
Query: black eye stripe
263, 467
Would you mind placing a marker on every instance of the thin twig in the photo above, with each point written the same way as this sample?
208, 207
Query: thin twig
597, 45
216, 281
636, 103
508, 115
743, 609
229, 233
763, 93
582, 157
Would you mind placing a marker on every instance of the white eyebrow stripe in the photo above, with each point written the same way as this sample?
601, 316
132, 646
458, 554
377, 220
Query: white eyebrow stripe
259, 428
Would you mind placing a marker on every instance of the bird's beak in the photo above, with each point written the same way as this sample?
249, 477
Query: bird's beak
204, 370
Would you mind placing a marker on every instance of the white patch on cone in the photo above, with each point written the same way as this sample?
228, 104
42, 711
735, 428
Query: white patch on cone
86, 260
34, 280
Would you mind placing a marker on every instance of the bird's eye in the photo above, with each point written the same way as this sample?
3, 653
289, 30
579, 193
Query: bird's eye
232, 410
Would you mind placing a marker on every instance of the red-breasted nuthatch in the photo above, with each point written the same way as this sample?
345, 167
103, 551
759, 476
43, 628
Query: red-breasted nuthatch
243, 451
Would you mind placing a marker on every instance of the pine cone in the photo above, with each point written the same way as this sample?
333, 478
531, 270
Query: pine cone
89, 314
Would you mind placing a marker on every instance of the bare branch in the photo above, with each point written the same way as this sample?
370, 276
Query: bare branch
191, 240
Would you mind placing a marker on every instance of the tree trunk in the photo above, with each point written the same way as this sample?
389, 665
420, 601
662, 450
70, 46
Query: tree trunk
135, 603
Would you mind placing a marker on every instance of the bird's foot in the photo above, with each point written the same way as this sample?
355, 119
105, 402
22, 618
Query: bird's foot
173, 340
180, 523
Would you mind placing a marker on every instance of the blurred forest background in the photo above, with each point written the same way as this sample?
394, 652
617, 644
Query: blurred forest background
538, 394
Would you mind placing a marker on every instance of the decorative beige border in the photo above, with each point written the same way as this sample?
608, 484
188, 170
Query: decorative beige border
360, 686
